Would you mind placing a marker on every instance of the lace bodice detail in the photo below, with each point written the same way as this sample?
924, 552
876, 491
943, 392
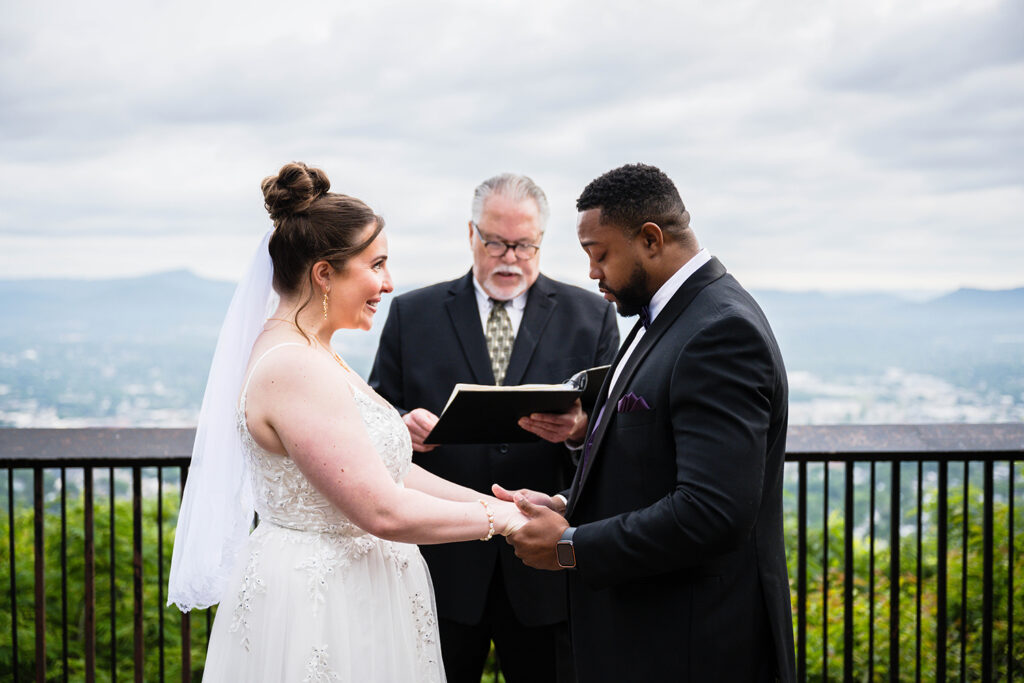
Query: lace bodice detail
282, 494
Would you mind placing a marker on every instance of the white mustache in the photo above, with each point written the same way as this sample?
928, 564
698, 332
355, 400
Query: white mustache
507, 270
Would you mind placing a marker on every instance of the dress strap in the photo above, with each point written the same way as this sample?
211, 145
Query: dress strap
245, 388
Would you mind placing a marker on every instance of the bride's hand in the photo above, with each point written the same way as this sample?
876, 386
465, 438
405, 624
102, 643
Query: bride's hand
555, 503
507, 518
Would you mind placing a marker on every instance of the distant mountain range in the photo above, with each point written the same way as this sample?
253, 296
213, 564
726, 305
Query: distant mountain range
137, 350
151, 306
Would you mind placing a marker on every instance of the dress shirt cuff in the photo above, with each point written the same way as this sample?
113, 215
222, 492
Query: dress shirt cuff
565, 501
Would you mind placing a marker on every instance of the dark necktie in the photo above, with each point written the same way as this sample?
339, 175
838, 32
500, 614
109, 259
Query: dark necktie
645, 316
499, 339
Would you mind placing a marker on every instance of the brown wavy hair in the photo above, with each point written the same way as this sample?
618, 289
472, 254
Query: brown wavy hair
312, 224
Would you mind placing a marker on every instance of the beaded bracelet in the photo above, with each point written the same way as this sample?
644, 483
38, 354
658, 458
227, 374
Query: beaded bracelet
490, 520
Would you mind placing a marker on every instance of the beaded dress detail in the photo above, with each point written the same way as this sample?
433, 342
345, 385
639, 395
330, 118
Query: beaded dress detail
314, 597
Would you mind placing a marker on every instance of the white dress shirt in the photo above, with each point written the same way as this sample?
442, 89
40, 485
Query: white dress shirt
515, 307
658, 301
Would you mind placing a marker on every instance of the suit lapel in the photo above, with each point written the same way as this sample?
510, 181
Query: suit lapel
465, 317
599, 404
705, 275
540, 304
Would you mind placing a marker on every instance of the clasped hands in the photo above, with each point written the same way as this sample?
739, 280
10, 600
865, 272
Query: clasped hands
536, 528
534, 522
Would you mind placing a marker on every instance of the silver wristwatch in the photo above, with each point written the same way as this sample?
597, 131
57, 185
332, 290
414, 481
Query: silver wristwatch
565, 552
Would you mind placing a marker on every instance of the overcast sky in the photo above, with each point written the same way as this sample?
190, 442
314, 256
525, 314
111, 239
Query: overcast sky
866, 144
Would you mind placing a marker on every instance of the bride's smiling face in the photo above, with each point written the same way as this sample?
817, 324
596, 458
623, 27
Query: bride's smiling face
356, 290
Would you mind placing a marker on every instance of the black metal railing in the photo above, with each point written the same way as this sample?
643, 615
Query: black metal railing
102, 464
886, 528
974, 465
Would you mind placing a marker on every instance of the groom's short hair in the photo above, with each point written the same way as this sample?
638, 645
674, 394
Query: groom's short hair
634, 194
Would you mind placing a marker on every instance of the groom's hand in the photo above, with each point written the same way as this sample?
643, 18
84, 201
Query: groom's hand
535, 541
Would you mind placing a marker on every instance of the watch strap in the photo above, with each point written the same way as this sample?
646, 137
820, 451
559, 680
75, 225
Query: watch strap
565, 551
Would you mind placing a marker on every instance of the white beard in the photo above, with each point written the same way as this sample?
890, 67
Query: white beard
493, 289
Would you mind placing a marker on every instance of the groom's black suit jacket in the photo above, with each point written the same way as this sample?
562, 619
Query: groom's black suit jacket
681, 564
433, 339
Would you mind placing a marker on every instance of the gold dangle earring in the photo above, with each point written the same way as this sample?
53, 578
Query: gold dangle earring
325, 305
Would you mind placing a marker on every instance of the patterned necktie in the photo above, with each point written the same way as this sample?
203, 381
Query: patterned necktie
499, 339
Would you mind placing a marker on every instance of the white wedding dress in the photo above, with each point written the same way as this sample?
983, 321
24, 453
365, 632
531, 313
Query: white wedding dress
313, 597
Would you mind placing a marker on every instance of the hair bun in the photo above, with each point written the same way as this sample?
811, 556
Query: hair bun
295, 187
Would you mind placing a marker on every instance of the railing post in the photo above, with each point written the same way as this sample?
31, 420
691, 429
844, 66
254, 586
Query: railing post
139, 654
186, 620
824, 574
160, 564
113, 579
801, 573
986, 593
13, 570
848, 575
964, 548
40, 572
90, 576
941, 618
919, 576
64, 569
1009, 583
871, 580
894, 574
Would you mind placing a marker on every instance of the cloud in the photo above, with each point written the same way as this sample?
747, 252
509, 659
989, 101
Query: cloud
941, 95
925, 50
815, 145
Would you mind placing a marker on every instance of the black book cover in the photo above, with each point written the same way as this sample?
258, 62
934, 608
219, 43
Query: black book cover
478, 413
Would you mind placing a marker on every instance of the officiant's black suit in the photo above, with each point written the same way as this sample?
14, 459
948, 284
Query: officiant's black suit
681, 567
432, 339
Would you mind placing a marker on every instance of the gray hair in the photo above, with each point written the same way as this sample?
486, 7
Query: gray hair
515, 187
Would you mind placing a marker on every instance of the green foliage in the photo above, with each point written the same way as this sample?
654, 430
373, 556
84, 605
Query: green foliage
113, 594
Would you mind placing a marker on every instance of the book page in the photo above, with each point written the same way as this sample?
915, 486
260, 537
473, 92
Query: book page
491, 387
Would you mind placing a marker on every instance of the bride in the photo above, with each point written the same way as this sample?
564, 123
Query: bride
330, 586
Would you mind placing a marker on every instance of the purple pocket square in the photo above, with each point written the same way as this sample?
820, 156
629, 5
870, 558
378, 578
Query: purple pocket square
630, 403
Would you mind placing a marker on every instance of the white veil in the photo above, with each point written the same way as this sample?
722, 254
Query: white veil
217, 509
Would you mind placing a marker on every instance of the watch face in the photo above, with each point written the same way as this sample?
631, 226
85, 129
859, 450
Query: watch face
566, 554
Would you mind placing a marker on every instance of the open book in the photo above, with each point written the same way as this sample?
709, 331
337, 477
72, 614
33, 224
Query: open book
482, 413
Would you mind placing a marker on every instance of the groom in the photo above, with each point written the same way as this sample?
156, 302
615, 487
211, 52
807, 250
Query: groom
672, 529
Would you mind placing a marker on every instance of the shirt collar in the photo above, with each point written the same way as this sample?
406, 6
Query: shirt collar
672, 285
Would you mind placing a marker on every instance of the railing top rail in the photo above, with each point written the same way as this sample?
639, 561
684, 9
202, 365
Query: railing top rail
933, 441
102, 446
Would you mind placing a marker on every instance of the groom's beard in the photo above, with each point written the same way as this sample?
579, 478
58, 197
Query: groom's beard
633, 296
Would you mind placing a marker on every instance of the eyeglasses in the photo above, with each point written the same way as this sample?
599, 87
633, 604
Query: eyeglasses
498, 248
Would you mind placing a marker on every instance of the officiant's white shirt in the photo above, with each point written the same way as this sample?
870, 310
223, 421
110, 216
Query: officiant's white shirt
515, 307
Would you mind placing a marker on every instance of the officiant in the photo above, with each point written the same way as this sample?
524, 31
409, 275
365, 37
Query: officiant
502, 323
